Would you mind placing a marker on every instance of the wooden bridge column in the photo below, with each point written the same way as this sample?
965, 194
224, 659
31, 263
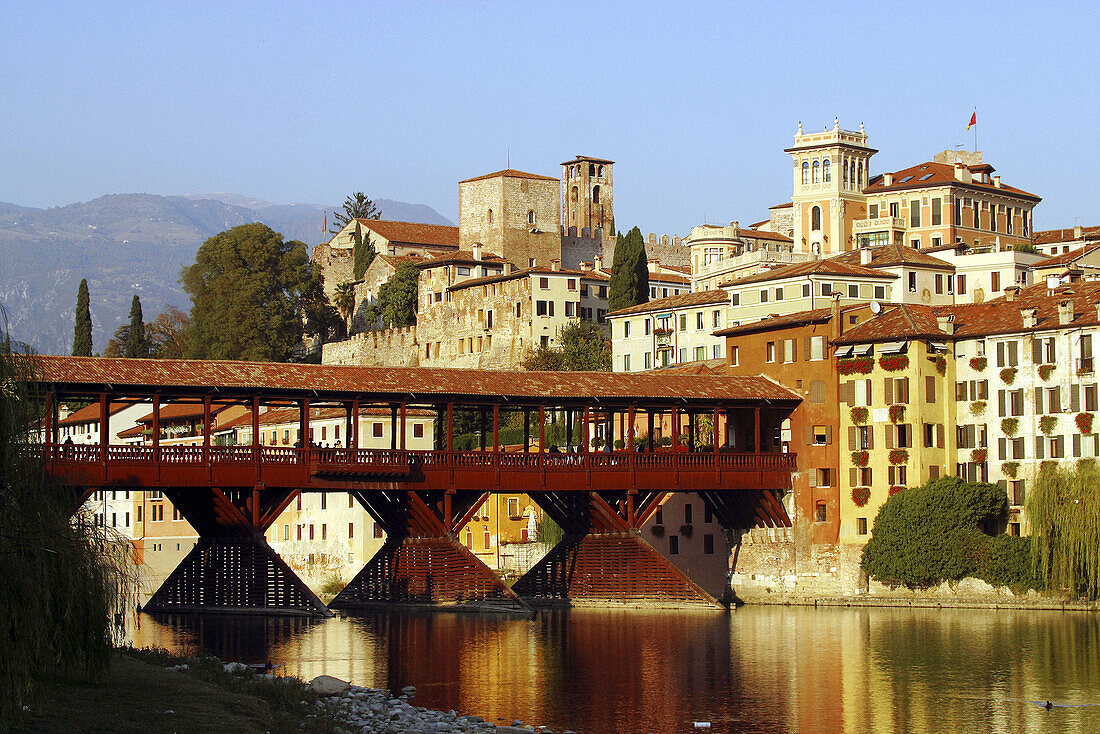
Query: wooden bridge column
404, 422
156, 428
104, 426
207, 428
496, 429
584, 430
255, 408
542, 429
630, 430
675, 429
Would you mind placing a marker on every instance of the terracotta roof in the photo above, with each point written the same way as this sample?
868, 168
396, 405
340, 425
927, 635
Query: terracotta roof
1002, 316
669, 278
813, 267
761, 223
754, 234
903, 321
411, 384
782, 321
1052, 236
683, 300
782, 206
511, 173
586, 159
280, 416
181, 410
924, 175
888, 255
460, 257
1066, 258
526, 273
90, 413
396, 261
700, 367
414, 233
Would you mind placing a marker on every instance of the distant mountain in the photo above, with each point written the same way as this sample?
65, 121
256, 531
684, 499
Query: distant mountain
126, 244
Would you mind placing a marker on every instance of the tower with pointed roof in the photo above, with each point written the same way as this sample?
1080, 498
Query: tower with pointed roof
587, 196
830, 174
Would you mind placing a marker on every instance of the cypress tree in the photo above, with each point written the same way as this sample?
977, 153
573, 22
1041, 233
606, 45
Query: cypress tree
629, 272
82, 333
136, 344
363, 253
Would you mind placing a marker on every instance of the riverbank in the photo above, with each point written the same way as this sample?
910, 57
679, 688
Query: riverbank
146, 691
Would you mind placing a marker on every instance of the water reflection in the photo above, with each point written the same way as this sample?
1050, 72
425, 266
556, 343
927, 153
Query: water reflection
763, 669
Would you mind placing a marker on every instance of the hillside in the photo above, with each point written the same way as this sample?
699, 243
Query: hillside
126, 244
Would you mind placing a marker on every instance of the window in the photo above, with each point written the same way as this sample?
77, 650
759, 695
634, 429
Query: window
571, 284
626, 325
817, 172
977, 214
826, 289
716, 320
649, 360
626, 363
595, 194
790, 351
853, 290
815, 218
377, 430
377, 530
939, 283
735, 299
817, 347
895, 209
708, 544
805, 172
817, 391
822, 514
821, 435
700, 353
914, 213
698, 320
958, 212
673, 545
764, 295
717, 351
544, 284
912, 282
937, 212
995, 282
861, 526
734, 356
770, 352
544, 308
683, 322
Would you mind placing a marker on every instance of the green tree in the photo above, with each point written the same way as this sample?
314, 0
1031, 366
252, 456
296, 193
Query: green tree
397, 298
582, 346
1063, 510
356, 206
629, 272
82, 334
363, 252
248, 290
345, 303
136, 345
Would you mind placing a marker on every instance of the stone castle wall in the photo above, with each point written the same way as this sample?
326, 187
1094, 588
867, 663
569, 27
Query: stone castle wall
388, 348
669, 250
337, 266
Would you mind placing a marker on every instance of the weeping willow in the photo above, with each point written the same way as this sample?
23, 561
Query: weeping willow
1063, 511
62, 577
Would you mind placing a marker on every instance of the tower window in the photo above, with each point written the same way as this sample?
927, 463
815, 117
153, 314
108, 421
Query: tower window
599, 172
815, 216
845, 171
859, 180
826, 170
595, 194
490, 216
591, 169
817, 171
805, 172
530, 216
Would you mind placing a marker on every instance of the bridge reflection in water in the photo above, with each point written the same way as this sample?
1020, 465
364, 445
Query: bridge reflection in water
763, 669
730, 455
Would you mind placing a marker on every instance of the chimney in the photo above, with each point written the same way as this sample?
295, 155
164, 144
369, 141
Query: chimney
1010, 292
1030, 317
1098, 311
1077, 232
508, 267
1065, 312
887, 179
654, 264
1052, 284
585, 265
946, 323
597, 262
865, 256
836, 320
477, 251
555, 264
997, 182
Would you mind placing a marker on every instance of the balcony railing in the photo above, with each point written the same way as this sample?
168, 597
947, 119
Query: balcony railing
878, 224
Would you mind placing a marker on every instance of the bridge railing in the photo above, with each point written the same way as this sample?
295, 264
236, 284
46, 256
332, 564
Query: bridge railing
381, 458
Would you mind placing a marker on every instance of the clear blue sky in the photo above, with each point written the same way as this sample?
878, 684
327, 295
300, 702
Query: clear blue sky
306, 102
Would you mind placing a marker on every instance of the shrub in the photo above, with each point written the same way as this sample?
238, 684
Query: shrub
1008, 563
978, 363
1008, 375
1009, 426
893, 362
860, 496
977, 408
1047, 423
1084, 422
860, 458
619, 443
897, 413
860, 415
1063, 510
856, 365
930, 534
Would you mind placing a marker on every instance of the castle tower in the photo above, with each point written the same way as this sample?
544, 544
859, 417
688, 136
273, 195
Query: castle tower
830, 174
511, 213
586, 195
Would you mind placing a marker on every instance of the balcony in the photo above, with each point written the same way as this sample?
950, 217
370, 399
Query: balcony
879, 224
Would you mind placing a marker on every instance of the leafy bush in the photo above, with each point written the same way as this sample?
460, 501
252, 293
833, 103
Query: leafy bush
930, 534
1008, 563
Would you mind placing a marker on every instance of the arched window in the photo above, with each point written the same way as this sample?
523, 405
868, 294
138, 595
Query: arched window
530, 216
815, 217
591, 169
490, 216
805, 172
845, 171
817, 171
599, 171
859, 179
595, 194
827, 170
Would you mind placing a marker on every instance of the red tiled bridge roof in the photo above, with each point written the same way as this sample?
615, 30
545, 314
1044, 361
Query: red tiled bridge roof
412, 384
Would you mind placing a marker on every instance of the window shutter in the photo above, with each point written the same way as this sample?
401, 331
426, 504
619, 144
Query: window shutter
1039, 447
904, 390
809, 435
828, 434
794, 350
808, 347
930, 389
1056, 399
780, 351
960, 391
890, 474
1075, 399
890, 436
1036, 350
812, 477
1013, 353
870, 437
1060, 447
853, 477
1076, 444
1002, 446
853, 438
971, 437
1038, 401
1000, 354
939, 435
888, 390
1001, 403
848, 393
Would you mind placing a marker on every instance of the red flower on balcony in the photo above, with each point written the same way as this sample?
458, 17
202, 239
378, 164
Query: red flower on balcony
897, 413
1045, 371
1008, 375
860, 496
978, 363
860, 458
978, 456
1084, 422
899, 456
893, 362
856, 365
940, 364
860, 414
895, 489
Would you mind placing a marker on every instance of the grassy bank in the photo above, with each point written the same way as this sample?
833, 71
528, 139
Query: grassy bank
138, 694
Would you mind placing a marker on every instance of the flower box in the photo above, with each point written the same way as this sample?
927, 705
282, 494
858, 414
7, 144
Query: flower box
897, 413
1009, 426
860, 496
978, 456
977, 408
1045, 371
895, 489
860, 458
978, 363
940, 364
1084, 422
1008, 375
856, 365
1009, 469
1047, 423
899, 456
860, 414
893, 362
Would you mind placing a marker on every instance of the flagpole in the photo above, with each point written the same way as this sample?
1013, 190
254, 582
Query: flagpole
975, 130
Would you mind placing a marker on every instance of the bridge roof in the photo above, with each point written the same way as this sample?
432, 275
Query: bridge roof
404, 384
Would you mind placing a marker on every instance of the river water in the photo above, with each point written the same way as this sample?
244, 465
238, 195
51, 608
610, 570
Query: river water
759, 669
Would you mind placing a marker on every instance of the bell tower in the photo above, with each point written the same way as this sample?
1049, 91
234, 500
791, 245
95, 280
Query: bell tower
831, 169
587, 195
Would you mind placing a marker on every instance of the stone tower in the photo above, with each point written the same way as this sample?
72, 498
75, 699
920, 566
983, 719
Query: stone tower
830, 174
587, 195
511, 213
